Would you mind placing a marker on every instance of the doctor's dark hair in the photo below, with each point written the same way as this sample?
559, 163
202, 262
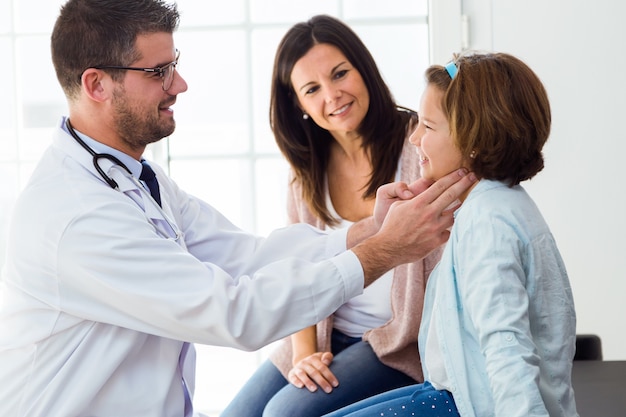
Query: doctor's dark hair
305, 145
90, 33
499, 114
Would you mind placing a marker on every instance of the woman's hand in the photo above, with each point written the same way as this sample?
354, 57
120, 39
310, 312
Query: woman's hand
313, 371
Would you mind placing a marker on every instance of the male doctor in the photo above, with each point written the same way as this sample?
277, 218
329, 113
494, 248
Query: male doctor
109, 281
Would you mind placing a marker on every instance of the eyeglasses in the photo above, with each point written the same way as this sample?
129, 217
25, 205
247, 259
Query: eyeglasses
166, 72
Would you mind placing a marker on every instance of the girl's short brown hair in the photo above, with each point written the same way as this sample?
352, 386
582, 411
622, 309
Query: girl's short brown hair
499, 114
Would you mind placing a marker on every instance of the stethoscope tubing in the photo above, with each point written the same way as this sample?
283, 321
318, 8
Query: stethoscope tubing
97, 156
113, 184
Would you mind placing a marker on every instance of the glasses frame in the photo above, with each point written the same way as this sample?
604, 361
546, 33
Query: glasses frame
159, 70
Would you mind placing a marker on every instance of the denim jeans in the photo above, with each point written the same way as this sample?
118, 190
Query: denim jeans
421, 400
359, 371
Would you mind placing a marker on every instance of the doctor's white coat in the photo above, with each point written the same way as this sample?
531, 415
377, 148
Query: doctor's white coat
97, 309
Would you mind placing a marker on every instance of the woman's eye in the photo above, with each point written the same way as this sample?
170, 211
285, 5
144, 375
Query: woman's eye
312, 90
340, 74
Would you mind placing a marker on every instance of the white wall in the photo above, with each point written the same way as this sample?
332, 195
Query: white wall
578, 48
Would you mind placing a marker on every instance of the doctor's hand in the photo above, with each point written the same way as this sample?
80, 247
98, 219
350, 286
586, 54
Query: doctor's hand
388, 194
314, 371
412, 228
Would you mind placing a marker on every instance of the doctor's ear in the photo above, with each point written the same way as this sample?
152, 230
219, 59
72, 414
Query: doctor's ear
96, 84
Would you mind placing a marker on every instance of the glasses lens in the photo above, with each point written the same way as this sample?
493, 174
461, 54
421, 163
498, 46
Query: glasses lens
168, 76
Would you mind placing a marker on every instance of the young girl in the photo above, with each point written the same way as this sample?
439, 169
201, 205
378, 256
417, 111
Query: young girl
497, 336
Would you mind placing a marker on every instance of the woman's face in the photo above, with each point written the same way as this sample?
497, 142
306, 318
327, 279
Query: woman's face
330, 90
435, 146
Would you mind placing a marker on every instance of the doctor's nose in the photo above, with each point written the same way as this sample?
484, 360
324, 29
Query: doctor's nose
179, 85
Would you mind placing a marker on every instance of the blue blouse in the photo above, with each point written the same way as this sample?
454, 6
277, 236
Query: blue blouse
504, 317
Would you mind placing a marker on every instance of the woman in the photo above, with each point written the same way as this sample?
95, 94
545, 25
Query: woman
498, 330
338, 126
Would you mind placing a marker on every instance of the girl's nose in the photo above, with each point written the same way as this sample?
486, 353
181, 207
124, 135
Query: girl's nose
416, 136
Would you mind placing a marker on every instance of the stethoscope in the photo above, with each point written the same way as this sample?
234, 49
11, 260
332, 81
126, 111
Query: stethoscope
96, 157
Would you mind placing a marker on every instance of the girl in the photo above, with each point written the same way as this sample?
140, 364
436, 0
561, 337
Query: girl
497, 336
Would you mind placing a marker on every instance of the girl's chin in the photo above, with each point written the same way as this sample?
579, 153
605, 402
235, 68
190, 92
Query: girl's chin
431, 176
428, 176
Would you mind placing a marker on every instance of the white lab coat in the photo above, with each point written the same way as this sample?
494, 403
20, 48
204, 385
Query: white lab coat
96, 307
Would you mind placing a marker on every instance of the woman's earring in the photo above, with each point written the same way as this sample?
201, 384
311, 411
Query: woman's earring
473, 154
305, 116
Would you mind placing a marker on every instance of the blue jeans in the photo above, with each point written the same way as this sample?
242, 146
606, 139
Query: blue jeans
359, 371
421, 400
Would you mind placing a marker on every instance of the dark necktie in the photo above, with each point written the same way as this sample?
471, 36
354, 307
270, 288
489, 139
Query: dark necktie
149, 177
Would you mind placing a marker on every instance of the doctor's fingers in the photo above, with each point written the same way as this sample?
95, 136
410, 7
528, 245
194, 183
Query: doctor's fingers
419, 186
394, 191
386, 195
446, 190
429, 219
412, 230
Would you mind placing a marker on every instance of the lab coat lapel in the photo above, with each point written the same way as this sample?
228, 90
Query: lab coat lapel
141, 197
126, 185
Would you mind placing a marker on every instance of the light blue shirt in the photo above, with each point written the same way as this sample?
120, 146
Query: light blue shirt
504, 312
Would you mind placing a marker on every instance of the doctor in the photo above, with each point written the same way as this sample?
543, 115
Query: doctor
105, 287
